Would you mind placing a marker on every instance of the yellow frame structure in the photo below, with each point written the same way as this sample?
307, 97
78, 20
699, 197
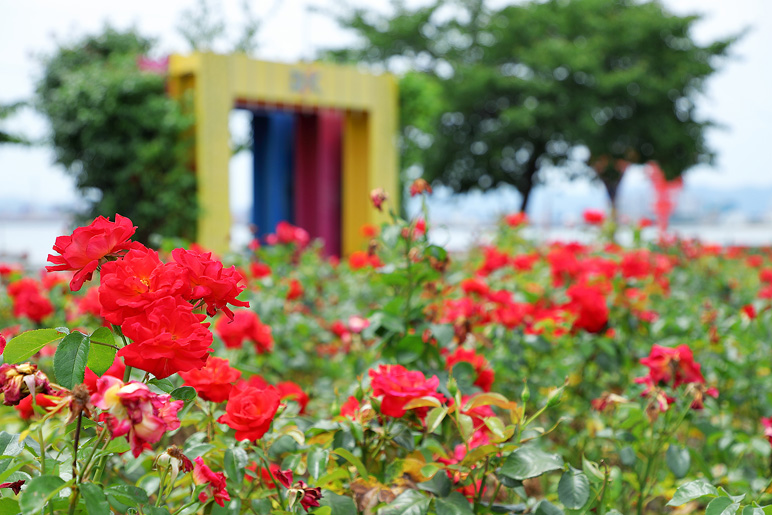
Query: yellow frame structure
221, 83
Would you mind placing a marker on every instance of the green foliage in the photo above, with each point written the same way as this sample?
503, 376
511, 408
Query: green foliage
6, 111
495, 94
115, 130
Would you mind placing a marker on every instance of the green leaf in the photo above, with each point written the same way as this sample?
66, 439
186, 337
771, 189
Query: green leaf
439, 485
434, 418
101, 357
722, 506
127, 494
409, 502
752, 510
96, 502
70, 359
232, 507
678, 460
317, 461
574, 489
154, 510
10, 444
346, 455
547, 508
164, 385
691, 491
528, 462
9, 506
592, 471
38, 492
235, 461
184, 393
339, 504
454, 504
29, 343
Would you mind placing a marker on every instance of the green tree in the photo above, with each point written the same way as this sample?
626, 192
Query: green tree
115, 130
526, 86
6, 111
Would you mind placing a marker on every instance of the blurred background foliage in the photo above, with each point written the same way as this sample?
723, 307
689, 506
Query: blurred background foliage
117, 132
491, 96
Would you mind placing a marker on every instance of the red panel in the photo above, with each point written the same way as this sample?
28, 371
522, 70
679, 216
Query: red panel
328, 207
318, 140
305, 171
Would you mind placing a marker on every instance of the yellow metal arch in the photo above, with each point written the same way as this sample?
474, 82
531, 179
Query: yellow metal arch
221, 82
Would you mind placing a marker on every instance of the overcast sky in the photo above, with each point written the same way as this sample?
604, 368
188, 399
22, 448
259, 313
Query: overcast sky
738, 97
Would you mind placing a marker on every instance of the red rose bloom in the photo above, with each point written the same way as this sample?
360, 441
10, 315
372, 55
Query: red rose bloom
398, 386
129, 285
485, 374
168, 338
291, 391
28, 300
295, 290
210, 282
589, 306
350, 408
245, 325
767, 423
213, 382
89, 246
594, 216
516, 219
671, 365
215, 481
250, 411
259, 270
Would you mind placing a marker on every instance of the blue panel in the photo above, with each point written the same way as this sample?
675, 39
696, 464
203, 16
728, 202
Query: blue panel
273, 168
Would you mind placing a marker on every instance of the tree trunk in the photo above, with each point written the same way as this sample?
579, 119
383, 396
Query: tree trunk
530, 172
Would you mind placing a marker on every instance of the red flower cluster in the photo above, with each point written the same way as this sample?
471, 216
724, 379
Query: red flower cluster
398, 386
671, 366
28, 300
287, 234
88, 247
361, 259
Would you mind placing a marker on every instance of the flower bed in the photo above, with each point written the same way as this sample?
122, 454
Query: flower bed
564, 378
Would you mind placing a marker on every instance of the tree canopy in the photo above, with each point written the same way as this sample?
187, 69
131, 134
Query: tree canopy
490, 96
117, 132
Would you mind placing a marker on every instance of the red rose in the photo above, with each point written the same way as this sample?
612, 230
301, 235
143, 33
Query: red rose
213, 382
398, 386
516, 219
589, 306
129, 285
485, 374
88, 246
295, 290
210, 282
291, 391
250, 411
594, 216
168, 338
216, 485
245, 325
667, 364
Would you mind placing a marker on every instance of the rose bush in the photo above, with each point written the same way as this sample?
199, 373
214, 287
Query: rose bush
517, 378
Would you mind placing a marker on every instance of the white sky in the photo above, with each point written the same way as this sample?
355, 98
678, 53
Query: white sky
738, 97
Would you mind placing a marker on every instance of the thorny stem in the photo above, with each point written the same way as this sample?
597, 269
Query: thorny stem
75, 488
482, 482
